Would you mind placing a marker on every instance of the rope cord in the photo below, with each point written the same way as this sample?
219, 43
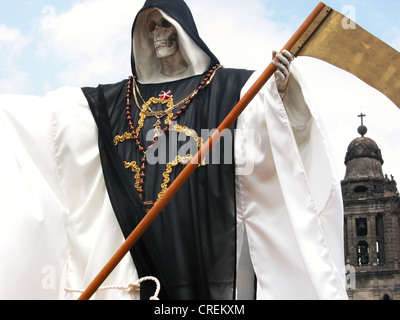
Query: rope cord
131, 288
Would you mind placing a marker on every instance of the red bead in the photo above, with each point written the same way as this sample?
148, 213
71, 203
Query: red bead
129, 117
143, 168
183, 109
165, 130
174, 118
187, 103
132, 128
199, 88
144, 160
178, 113
142, 175
141, 149
140, 191
141, 182
209, 75
203, 83
128, 113
135, 138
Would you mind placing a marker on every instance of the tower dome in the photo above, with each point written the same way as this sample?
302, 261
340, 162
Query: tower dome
363, 158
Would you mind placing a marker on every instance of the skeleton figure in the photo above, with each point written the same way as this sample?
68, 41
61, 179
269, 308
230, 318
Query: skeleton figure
165, 38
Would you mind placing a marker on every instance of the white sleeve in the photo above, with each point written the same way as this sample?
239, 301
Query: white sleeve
289, 205
57, 226
32, 206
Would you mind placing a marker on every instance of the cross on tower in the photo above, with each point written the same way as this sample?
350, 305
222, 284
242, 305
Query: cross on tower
362, 118
362, 129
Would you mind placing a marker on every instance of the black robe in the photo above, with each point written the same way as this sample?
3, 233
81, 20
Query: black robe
191, 247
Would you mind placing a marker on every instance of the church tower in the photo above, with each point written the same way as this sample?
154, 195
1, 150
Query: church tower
372, 223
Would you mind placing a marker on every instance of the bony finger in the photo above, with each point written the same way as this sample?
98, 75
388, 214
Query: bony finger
282, 70
288, 55
282, 59
280, 76
280, 66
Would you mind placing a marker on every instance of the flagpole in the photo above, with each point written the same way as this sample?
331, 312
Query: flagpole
197, 159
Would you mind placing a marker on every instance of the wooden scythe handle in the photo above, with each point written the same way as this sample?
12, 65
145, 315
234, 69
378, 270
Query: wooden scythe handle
191, 167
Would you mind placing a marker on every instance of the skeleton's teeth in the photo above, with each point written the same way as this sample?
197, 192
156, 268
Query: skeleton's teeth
162, 43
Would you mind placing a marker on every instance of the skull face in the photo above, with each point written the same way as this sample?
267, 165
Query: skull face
164, 35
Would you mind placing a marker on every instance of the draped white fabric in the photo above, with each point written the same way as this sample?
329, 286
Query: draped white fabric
58, 228
290, 210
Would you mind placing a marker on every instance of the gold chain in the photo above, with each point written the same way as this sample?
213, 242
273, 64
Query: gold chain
170, 101
146, 111
166, 175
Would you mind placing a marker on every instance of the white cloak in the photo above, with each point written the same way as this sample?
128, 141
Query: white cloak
58, 229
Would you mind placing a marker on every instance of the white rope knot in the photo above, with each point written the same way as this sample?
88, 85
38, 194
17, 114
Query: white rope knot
158, 286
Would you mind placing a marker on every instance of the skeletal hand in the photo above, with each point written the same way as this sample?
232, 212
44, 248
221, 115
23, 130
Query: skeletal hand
283, 72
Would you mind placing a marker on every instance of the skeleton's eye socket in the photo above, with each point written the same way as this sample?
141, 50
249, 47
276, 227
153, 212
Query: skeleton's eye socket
165, 23
152, 26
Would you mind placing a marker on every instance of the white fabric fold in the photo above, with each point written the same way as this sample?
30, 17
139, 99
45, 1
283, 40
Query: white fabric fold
290, 206
57, 225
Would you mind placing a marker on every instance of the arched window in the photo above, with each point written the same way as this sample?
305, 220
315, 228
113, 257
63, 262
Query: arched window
360, 189
362, 253
362, 227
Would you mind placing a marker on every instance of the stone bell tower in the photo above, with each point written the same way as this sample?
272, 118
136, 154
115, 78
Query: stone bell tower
372, 223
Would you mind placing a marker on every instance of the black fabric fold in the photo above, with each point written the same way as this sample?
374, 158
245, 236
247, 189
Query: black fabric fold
126, 204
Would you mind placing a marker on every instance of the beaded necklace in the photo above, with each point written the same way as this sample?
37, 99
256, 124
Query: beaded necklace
146, 111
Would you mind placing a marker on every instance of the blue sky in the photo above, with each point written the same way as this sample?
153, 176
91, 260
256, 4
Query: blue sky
42, 65
46, 44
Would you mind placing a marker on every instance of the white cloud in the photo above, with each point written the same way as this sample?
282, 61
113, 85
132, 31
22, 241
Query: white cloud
11, 45
93, 39
241, 36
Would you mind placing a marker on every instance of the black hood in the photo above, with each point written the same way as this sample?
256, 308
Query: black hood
180, 12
